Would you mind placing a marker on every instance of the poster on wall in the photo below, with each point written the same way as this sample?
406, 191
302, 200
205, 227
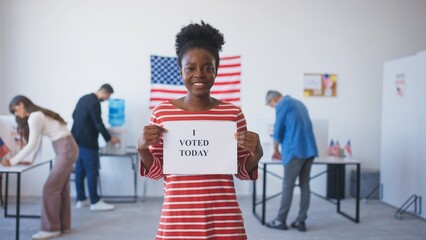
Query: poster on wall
400, 83
319, 85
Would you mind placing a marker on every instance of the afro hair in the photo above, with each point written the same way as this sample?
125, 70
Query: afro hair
197, 35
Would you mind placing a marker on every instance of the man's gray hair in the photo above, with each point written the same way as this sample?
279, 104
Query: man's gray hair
271, 94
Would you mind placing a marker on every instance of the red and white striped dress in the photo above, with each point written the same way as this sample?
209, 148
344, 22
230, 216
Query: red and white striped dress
199, 206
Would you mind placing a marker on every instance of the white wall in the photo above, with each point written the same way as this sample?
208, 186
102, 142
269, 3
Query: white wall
2, 93
58, 50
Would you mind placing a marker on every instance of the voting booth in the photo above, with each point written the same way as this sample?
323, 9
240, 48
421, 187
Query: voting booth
403, 135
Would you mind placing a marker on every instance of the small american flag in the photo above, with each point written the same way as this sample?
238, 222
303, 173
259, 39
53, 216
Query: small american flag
166, 83
336, 149
3, 148
330, 149
348, 148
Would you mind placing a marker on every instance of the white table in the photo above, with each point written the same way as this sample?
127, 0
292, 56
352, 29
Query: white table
18, 170
326, 161
133, 156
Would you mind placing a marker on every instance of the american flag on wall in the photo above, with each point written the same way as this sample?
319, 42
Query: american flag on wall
166, 83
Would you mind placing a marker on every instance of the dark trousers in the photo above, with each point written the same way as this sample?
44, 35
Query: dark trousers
297, 168
87, 165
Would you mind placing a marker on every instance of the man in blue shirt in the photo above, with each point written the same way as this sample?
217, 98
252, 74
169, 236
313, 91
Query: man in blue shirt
293, 130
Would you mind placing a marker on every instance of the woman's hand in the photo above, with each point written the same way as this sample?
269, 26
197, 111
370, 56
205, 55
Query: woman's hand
6, 163
250, 141
276, 155
151, 135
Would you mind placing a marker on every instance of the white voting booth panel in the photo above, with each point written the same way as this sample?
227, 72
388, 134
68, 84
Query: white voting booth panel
422, 129
403, 154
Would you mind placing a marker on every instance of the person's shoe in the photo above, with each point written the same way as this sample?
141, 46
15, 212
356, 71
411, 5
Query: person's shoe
101, 206
46, 235
66, 231
82, 204
277, 224
301, 226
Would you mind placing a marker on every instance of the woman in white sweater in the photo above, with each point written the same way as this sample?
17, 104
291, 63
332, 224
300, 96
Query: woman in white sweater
33, 123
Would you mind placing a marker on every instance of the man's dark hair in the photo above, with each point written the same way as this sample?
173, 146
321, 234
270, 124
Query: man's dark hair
107, 88
199, 36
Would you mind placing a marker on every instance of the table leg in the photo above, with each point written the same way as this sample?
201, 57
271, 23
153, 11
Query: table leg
1, 190
18, 204
6, 195
339, 181
264, 195
358, 183
134, 161
254, 198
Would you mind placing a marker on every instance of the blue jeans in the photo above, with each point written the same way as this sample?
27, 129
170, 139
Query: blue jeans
87, 165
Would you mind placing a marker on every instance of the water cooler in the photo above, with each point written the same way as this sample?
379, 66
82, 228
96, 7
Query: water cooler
116, 119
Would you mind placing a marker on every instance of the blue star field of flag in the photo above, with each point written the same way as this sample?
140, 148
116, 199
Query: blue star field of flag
164, 70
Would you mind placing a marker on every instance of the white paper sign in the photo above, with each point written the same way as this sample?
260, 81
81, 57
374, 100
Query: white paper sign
200, 147
400, 85
312, 82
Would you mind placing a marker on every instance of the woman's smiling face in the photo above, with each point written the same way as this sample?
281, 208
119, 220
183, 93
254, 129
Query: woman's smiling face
198, 71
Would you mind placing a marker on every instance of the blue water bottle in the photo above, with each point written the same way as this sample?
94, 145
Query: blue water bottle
116, 115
